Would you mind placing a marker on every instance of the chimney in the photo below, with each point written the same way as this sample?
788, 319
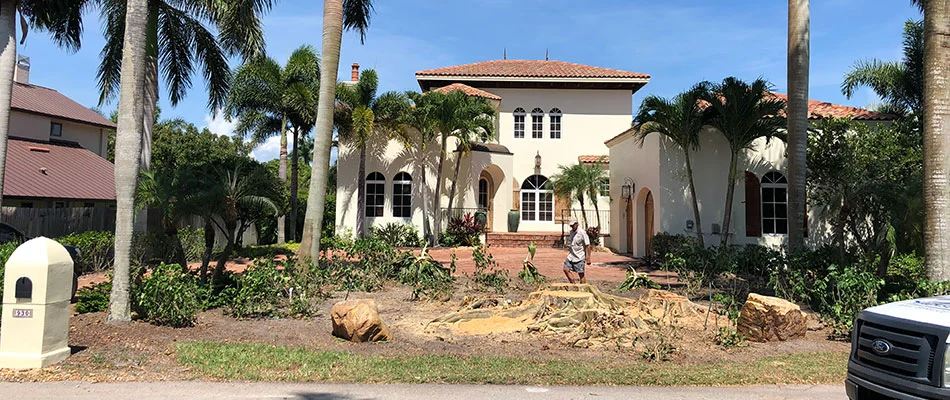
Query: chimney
355, 77
22, 72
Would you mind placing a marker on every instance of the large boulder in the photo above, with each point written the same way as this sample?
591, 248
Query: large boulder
358, 321
769, 319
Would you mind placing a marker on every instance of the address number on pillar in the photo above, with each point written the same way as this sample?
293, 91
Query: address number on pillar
22, 313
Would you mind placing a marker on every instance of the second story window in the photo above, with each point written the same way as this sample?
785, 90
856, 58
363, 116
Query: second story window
519, 123
55, 129
555, 116
537, 116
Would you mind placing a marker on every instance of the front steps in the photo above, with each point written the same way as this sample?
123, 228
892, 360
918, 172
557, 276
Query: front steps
522, 239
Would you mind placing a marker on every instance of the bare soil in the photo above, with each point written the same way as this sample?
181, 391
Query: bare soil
142, 352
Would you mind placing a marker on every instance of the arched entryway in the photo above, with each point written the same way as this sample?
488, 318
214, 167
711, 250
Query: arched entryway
485, 196
648, 224
643, 219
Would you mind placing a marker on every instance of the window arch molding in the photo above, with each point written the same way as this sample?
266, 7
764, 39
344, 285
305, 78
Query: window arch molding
519, 116
375, 194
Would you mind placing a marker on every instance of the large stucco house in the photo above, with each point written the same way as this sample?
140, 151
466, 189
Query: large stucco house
650, 192
549, 113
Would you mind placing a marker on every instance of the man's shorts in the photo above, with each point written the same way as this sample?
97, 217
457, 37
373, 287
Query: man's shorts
576, 266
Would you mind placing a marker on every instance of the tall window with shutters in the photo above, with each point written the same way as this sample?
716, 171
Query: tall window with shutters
774, 204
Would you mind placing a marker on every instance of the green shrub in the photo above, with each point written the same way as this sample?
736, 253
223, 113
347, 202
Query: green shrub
463, 230
95, 249
665, 243
728, 338
487, 274
426, 276
93, 298
6, 250
268, 251
397, 234
593, 233
192, 242
636, 280
260, 292
168, 296
338, 241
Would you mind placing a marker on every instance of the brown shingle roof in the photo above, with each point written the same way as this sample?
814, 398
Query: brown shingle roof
45, 101
819, 109
530, 69
593, 159
59, 170
467, 90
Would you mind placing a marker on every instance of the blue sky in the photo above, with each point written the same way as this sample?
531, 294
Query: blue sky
677, 42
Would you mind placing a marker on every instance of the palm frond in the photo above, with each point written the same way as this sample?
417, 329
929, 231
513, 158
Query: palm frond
356, 16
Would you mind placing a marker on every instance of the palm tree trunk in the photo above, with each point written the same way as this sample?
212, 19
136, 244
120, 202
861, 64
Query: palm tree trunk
937, 139
323, 130
151, 104
229, 228
294, 183
692, 193
361, 194
798, 58
282, 175
455, 179
596, 210
437, 212
730, 191
580, 199
7, 67
128, 152
209, 247
426, 230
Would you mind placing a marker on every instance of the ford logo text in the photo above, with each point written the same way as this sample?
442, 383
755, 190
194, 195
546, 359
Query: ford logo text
881, 347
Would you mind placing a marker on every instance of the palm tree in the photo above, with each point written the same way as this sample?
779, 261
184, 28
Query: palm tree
61, 18
580, 182
899, 84
679, 120
267, 98
421, 119
935, 118
798, 57
179, 41
472, 120
169, 192
337, 14
128, 147
742, 112
360, 117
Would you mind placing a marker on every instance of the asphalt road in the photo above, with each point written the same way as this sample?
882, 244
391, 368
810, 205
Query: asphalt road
208, 390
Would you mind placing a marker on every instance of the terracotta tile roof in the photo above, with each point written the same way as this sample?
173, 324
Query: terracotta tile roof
59, 170
45, 101
467, 90
819, 109
593, 159
530, 69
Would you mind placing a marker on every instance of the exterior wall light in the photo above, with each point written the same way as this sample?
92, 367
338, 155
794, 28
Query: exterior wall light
537, 160
626, 191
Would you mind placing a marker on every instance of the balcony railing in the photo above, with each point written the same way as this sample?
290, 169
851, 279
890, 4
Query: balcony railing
591, 218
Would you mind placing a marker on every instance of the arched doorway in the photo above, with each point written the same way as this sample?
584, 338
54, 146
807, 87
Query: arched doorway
485, 196
648, 224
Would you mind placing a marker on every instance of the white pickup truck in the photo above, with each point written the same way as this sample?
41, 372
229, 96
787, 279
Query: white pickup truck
900, 351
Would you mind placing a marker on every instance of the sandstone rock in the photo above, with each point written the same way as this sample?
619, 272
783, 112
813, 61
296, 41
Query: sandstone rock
358, 321
767, 319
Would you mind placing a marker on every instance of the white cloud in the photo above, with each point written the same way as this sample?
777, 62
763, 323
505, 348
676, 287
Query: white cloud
268, 150
219, 125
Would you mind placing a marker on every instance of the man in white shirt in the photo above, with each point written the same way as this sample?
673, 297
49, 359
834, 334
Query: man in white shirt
578, 253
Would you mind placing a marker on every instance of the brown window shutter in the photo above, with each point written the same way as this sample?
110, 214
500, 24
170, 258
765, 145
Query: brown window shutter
515, 195
560, 205
753, 205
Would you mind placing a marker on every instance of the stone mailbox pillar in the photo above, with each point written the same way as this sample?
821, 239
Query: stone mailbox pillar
37, 286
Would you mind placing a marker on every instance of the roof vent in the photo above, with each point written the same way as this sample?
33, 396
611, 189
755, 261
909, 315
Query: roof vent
39, 149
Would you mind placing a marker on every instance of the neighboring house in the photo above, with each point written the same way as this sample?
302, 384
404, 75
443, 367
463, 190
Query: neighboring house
650, 193
56, 152
550, 113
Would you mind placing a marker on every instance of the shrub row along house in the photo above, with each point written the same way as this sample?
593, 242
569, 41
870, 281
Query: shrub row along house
552, 114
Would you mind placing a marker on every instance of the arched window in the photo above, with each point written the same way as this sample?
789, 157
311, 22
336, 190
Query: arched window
537, 199
519, 123
537, 118
375, 194
402, 195
774, 203
555, 116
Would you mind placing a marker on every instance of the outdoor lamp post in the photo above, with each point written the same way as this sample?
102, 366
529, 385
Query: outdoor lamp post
626, 191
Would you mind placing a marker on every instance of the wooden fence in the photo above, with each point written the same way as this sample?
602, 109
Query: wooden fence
56, 222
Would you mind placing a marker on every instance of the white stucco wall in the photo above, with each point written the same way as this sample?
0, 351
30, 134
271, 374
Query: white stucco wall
37, 127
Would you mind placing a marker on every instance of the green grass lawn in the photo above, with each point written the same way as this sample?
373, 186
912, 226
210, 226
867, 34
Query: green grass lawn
260, 362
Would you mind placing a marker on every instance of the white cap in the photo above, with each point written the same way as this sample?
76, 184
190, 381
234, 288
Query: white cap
573, 222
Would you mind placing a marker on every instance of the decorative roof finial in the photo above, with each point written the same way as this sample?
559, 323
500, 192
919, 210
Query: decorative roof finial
545, 54
506, 53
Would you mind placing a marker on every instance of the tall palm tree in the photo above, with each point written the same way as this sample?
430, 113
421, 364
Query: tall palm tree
742, 112
798, 58
181, 38
679, 120
362, 116
900, 84
421, 119
581, 182
61, 18
472, 121
268, 99
128, 147
936, 125
337, 14
239, 193
168, 191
